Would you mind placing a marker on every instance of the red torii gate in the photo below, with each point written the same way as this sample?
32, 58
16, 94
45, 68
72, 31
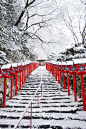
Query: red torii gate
14, 69
80, 65
75, 67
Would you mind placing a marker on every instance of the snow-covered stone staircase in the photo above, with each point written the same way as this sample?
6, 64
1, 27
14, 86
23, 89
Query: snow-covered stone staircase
56, 109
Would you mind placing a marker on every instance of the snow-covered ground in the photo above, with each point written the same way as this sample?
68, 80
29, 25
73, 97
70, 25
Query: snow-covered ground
56, 109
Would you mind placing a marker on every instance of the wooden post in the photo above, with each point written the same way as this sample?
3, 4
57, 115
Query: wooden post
64, 79
74, 83
68, 84
83, 92
60, 79
16, 85
20, 82
4, 93
22, 76
11, 86
58, 76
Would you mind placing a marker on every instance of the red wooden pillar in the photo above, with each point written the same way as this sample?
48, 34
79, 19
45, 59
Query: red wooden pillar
51, 69
4, 93
11, 86
28, 71
16, 85
74, 83
22, 76
25, 74
64, 79
20, 82
83, 92
56, 73
68, 84
60, 78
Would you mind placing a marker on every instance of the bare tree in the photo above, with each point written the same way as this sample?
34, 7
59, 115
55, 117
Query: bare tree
36, 15
73, 15
23, 11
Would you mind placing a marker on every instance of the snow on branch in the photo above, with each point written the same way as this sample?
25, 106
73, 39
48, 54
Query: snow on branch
23, 11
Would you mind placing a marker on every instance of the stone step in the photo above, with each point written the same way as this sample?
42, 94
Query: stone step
56, 109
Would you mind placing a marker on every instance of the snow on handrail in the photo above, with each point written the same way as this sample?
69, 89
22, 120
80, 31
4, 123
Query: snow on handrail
75, 68
6, 71
70, 62
7, 66
79, 61
15, 127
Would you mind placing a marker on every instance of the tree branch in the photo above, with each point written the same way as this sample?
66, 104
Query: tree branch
23, 11
82, 2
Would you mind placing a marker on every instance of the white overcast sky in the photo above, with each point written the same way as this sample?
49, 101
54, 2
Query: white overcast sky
58, 34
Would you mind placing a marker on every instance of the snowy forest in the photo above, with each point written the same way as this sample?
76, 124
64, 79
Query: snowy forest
52, 30
31, 29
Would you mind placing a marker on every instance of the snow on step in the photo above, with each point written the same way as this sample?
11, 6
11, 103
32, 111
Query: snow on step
56, 109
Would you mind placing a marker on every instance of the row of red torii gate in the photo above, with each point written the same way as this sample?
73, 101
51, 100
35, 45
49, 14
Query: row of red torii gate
58, 70
75, 67
10, 70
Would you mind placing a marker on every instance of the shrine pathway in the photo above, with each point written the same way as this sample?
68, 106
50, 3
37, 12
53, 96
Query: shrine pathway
56, 109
